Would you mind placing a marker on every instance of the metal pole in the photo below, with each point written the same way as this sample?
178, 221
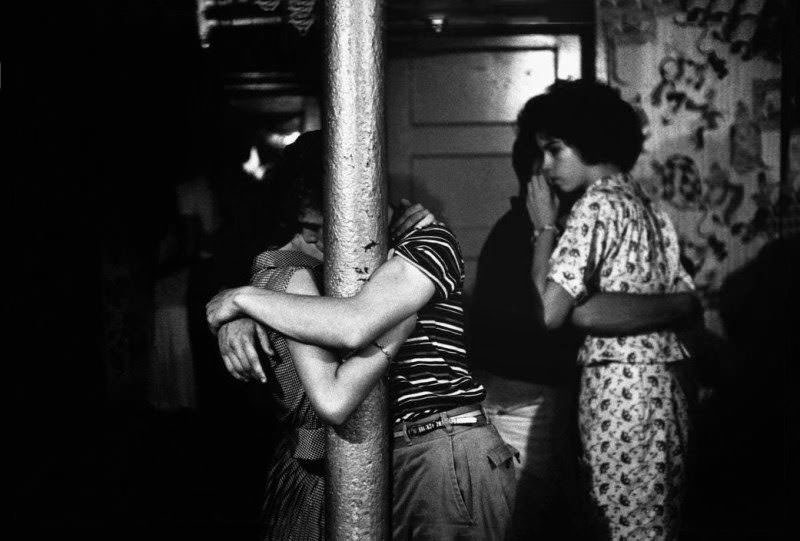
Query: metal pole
355, 245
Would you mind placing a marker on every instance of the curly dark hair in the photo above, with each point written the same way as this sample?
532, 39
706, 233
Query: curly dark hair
526, 154
296, 183
592, 118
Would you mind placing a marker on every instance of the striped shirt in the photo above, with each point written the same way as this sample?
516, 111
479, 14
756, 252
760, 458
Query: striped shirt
430, 372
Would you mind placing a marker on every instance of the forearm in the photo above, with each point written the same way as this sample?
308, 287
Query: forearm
336, 389
322, 321
623, 313
343, 386
542, 248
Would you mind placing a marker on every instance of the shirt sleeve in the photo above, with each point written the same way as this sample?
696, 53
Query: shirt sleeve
580, 250
684, 278
434, 251
673, 251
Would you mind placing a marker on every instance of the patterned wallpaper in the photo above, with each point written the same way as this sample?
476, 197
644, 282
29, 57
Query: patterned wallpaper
706, 82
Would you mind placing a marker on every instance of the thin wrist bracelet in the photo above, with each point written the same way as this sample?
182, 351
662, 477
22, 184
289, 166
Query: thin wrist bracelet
383, 350
537, 232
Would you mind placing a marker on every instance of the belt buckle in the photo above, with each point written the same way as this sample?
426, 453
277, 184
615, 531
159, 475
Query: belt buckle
422, 429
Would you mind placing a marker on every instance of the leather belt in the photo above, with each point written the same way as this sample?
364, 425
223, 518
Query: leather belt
457, 417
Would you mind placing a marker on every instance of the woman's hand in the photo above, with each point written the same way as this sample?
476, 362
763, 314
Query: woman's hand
237, 345
542, 202
223, 308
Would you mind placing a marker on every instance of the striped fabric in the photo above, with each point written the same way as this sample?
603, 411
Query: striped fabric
430, 373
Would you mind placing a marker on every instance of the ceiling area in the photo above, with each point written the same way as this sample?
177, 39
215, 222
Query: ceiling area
275, 46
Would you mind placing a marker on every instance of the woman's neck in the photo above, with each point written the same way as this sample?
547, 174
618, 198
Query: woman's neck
601, 170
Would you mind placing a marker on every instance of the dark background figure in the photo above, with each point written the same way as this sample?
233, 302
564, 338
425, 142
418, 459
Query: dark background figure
528, 371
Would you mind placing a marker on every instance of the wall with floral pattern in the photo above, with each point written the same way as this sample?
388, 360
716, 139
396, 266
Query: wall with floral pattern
705, 76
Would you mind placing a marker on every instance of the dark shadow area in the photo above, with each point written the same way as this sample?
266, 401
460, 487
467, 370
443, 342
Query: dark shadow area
745, 433
107, 106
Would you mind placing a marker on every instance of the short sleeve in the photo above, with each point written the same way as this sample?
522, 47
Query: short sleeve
672, 249
581, 248
684, 278
434, 251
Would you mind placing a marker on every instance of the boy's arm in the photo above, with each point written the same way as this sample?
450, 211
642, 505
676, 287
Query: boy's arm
336, 389
396, 291
624, 313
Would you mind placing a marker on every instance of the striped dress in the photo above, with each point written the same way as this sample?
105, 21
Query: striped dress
294, 506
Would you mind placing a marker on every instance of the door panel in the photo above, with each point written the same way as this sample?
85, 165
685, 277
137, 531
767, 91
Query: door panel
450, 126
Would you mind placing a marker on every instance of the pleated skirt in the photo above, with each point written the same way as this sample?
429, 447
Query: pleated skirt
294, 504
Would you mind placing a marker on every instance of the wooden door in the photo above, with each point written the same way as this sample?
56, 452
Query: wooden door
451, 111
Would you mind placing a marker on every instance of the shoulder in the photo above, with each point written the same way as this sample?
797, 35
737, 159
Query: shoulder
435, 241
434, 250
595, 203
302, 281
433, 233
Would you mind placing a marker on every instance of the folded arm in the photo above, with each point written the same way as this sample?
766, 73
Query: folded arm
396, 291
336, 388
618, 314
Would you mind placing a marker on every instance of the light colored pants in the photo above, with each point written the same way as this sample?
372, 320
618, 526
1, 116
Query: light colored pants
534, 419
453, 484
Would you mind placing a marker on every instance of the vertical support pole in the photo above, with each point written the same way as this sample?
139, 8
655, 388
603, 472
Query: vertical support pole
355, 245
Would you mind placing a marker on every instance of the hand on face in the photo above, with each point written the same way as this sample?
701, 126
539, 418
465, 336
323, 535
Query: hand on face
542, 202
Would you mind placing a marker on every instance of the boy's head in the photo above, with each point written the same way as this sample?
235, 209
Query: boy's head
591, 118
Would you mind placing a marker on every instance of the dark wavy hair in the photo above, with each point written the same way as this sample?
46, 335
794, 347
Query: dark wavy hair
592, 118
295, 184
526, 154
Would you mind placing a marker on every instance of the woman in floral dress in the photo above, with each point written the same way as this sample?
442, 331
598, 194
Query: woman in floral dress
632, 410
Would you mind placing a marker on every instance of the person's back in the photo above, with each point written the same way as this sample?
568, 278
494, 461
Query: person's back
295, 491
635, 249
439, 422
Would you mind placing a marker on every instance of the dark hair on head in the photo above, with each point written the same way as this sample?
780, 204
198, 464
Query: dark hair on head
592, 118
295, 183
526, 154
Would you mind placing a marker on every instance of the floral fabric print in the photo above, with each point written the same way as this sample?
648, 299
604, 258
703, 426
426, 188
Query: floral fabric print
633, 424
615, 241
632, 411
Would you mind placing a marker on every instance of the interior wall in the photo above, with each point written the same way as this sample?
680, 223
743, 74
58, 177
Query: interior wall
711, 109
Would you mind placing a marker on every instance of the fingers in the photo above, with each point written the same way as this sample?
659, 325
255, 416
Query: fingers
401, 221
227, 353
237, 347
241, 359
229, 367
425, 221
211, 316
410, 219
256, 371
263, 339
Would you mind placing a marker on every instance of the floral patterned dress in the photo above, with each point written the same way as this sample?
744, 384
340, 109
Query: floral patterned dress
632, 410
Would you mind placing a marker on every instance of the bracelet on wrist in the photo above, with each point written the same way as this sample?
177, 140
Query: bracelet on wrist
383, 350
547, 227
